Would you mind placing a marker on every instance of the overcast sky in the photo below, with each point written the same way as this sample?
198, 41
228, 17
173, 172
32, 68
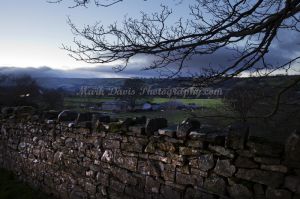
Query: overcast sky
32, 32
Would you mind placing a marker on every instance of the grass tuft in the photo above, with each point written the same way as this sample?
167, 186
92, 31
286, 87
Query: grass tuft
11, 188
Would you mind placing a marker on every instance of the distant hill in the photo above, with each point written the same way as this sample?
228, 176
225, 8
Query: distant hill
74, 84
65, 80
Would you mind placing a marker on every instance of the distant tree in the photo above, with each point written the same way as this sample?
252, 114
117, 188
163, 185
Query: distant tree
53, 99
26, 85
19, 91
242, 99
2, 78
285, 98
133, 86
24, 91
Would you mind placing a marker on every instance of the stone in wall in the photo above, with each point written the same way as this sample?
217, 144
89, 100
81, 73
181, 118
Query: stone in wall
262, 147
224, 168
50, 115
277, 168
166, 146
124, 176
134, 192
128, 122
292, 183
137, 129
152, 185
140, 120
101, 118
67, 116
78, 193
102, 178
84, 117
222, 151
7, 111
186, 127
267, 160
278, 194
195, 135
170, 131
237, 136
150, 148
243, 162
111, 144
107, 156
203, 162
215, 184
191, 193
270, 178
187, 179
169, 192
116, 185
196, 144
188, 151
292, 150
155, 124
258, 191
239, 191
127, 162
212, 135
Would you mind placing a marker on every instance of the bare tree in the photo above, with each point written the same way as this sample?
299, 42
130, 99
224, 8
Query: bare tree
24, 91
20, 91
134, 87
242, 99
246, 27
86, 2
53, 99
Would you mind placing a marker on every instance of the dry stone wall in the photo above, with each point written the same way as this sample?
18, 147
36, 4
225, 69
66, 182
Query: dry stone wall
137, 161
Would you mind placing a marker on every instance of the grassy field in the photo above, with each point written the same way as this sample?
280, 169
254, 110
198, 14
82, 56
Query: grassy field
11, 188
208, 107
76, 101
207, 103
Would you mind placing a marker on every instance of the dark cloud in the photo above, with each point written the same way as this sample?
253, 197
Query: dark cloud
284, 47
288, 42
43, 71
84, 72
